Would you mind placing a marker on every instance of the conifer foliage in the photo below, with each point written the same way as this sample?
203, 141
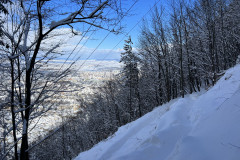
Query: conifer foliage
130, 74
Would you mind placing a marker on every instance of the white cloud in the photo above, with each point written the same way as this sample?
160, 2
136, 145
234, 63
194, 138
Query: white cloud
99, 54
69, 41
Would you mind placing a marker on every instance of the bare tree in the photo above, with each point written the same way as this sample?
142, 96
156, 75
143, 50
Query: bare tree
29, 28
193, 52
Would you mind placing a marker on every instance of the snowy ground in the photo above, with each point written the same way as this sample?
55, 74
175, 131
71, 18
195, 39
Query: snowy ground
201, 126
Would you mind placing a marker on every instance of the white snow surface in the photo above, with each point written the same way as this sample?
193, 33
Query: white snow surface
201, 126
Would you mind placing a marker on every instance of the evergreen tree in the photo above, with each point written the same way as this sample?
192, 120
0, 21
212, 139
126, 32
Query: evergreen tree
130, 73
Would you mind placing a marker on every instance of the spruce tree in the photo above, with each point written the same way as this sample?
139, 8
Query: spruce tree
130, 73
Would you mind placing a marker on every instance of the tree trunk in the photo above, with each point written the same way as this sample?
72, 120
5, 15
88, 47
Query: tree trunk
24, 146
12, 110
160, 92
181, 65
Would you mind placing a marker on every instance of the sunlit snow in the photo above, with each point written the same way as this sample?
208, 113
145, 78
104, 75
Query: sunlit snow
201, 126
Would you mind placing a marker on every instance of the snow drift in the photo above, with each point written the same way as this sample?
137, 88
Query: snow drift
202, 126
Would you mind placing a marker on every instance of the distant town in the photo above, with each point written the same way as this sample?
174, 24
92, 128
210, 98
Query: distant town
85, 82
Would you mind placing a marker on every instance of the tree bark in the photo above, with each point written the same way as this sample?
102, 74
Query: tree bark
12, 110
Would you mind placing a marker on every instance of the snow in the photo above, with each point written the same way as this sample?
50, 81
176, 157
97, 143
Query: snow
201, 126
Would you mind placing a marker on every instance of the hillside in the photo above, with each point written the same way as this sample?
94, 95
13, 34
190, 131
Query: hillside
200, 126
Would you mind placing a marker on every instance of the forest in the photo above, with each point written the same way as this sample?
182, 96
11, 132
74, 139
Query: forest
181, 50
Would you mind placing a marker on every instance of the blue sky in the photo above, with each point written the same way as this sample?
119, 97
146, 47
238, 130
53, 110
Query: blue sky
105, 49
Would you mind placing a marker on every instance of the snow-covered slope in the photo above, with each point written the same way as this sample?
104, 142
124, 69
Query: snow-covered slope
201, 126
